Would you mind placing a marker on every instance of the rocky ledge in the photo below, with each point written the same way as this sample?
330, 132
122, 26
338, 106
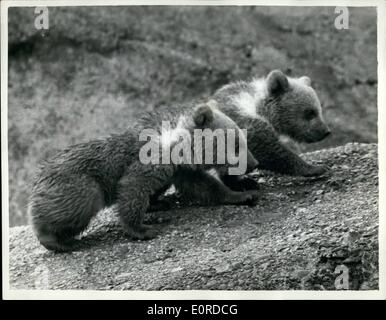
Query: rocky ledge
304, 233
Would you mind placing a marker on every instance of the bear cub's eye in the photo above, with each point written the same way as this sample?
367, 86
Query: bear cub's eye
309, 114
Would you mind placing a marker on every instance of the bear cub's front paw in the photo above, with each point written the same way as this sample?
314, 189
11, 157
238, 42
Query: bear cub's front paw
142, 232
251, 197
245, 183
241, 183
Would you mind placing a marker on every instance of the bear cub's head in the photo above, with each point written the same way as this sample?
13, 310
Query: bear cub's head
225, 133
294, 108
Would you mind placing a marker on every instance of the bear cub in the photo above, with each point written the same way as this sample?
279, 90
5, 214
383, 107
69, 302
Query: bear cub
71, 187
270, 108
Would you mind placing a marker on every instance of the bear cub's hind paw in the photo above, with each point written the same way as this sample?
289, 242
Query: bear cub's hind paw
317, 171
63, 246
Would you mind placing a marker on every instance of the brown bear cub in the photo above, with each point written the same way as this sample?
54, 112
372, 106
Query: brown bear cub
71, 187
276, 106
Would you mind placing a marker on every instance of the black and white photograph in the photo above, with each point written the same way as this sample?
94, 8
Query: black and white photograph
192, 149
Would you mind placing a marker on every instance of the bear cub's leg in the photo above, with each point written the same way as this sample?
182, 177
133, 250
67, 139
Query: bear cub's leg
210, 190
240, 183
157, 204
135, 189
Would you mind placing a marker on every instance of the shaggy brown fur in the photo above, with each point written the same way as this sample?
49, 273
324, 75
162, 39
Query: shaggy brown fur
71, 187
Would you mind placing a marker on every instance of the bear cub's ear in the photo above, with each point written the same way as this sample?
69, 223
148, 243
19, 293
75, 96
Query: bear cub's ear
203, 115
306, 80
277, 82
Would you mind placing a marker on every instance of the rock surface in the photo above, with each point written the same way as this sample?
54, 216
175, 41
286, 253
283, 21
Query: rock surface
294, 238
97, 68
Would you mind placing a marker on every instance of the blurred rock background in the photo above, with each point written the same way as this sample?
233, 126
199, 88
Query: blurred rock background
95, 68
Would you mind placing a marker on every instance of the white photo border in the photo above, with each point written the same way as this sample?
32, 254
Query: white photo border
197, 294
